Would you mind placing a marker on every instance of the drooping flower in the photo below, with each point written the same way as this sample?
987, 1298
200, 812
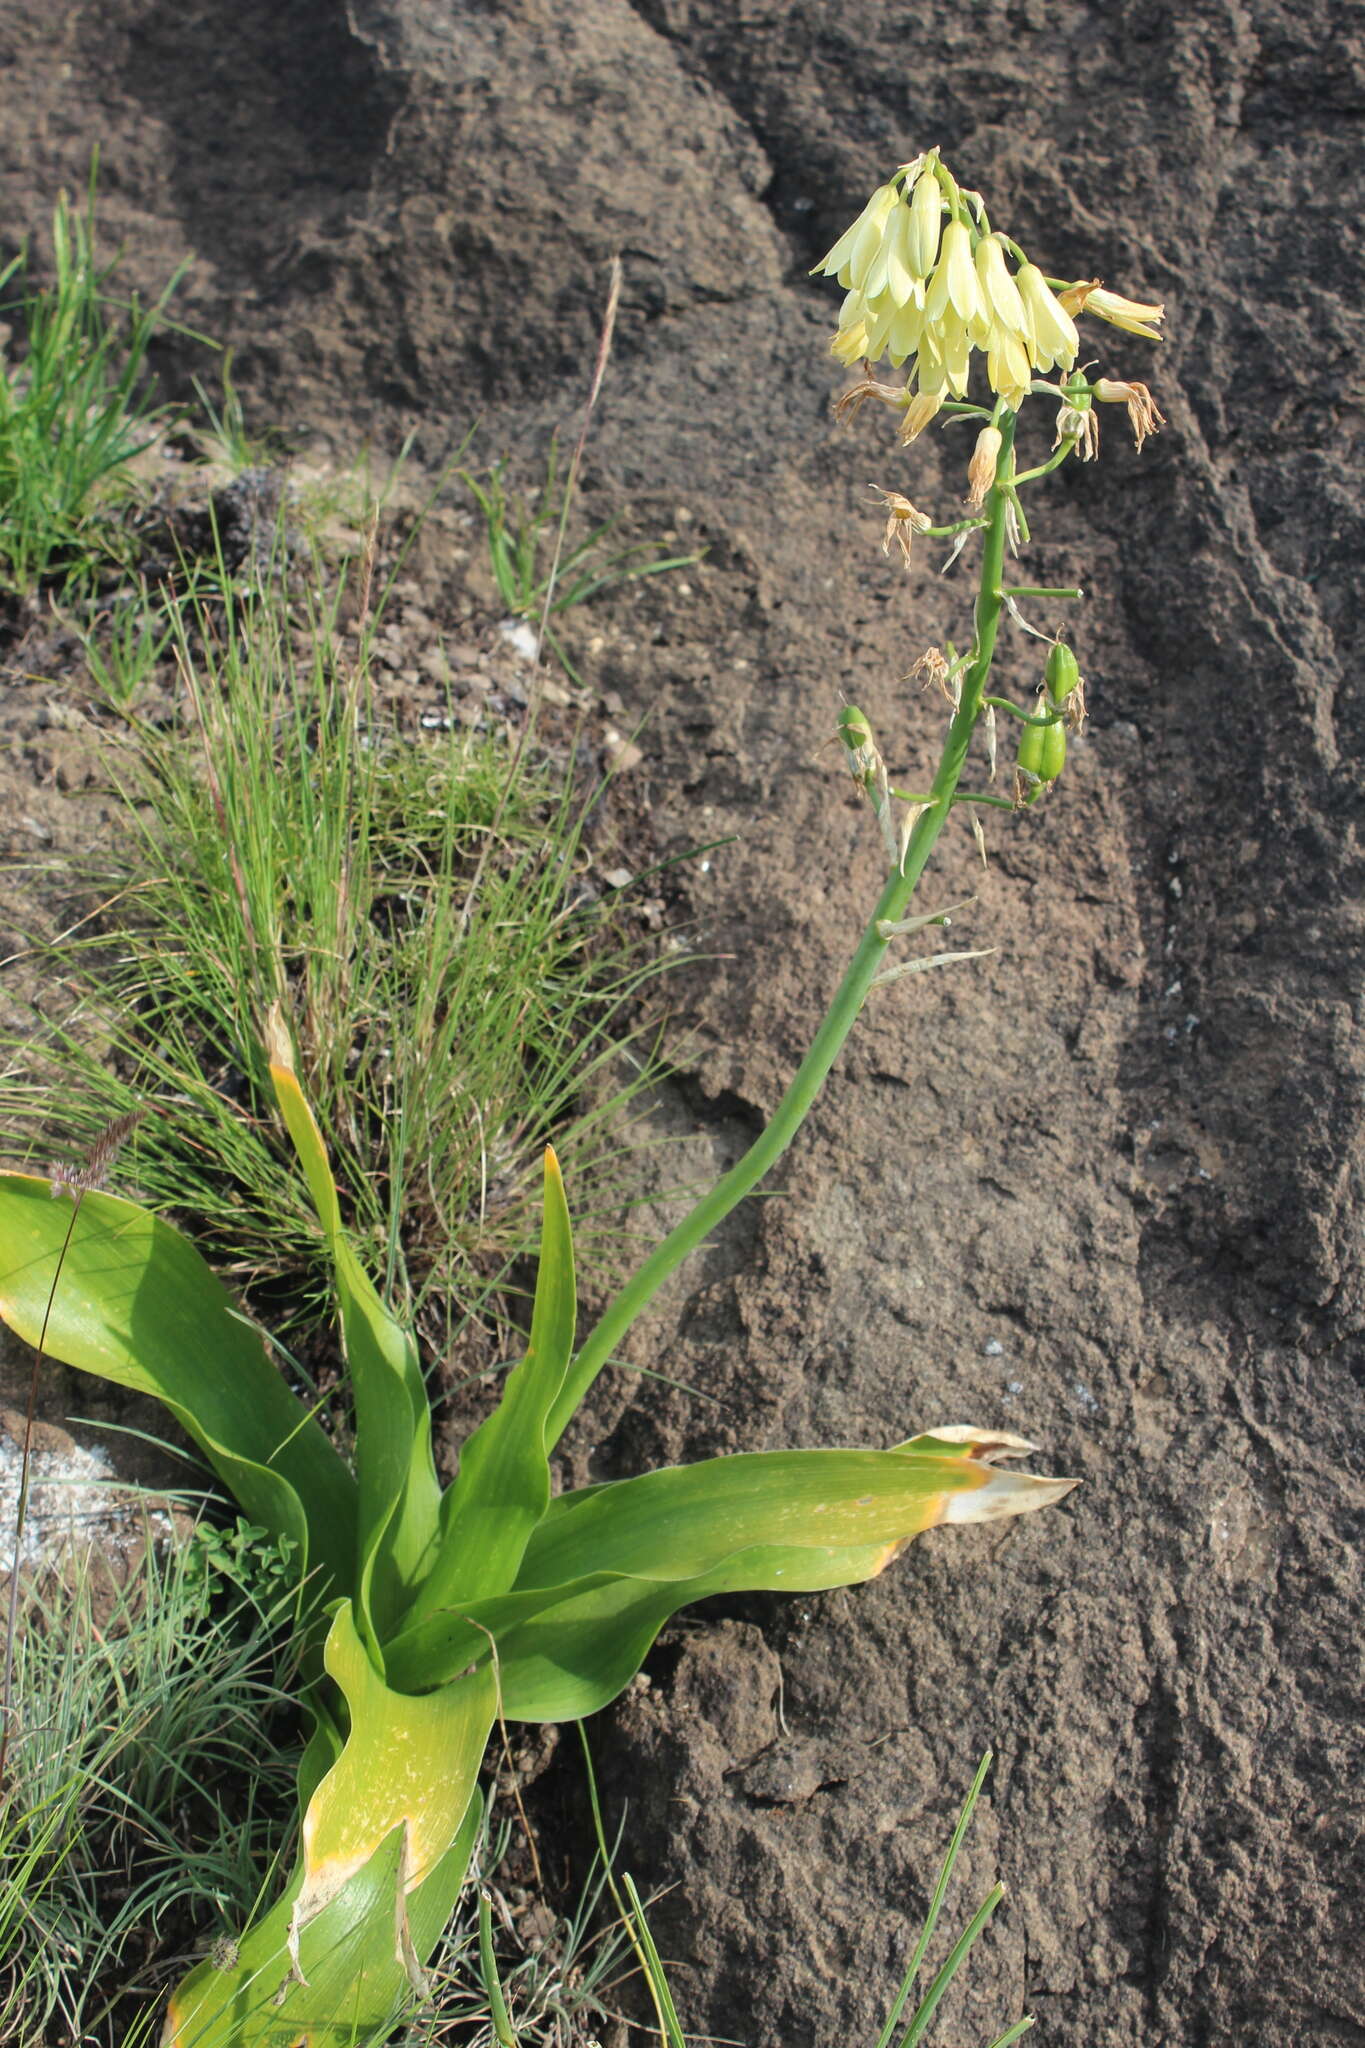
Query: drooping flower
1053, 340
1007, 366
1004, 307
903, 522
1143, 416
926, 216
851, 257
918, 414
1132, 315
955, 288
1079, 424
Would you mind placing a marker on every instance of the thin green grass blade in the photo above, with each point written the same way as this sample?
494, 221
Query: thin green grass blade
670, 2027
915, 2032
926, 1933
503, 2030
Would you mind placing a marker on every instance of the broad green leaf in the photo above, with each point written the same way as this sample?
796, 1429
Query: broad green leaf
407, 1762
398, 1490
356, 1981
136, 1304
386, 1840
684, 1519
503, 1488
607, 1567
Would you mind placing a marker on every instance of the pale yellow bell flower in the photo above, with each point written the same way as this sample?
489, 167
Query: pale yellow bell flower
1008, 368
945, 357
850, 343
926, 214
954, 282
1132, 315
890, 271
1052, 337
1005, 308
852, 255
920, 411
906, 330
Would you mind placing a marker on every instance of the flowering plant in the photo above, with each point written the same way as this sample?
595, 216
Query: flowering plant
426, 1610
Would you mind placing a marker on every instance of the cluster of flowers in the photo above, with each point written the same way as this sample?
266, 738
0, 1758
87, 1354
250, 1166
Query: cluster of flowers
919, 287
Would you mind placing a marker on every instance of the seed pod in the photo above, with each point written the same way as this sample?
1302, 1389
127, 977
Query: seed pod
1054, 751
1063, 673
1042, 755
1030, 755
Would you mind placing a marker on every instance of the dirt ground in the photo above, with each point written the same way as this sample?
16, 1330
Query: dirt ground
1103, 1188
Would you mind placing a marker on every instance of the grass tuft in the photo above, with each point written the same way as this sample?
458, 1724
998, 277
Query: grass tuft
151, 1757
460, 992
74, 409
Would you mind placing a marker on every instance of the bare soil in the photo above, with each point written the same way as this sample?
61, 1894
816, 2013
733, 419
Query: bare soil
1103, 1188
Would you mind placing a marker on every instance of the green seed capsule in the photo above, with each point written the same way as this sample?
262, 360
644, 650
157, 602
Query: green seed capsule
1063, 674
1030, 755
1054, 751
1042, 754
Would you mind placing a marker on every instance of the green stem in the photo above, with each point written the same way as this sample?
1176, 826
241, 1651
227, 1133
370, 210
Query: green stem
966, 796
842, 1014
1051, 716
1029, 476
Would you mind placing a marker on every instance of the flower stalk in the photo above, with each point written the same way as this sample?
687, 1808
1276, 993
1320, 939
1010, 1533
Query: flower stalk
928, 282
866, 965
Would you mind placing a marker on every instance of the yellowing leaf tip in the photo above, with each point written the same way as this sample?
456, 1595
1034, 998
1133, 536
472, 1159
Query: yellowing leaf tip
279, 1049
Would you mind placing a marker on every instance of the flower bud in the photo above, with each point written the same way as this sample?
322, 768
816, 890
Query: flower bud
926, 211
981, 470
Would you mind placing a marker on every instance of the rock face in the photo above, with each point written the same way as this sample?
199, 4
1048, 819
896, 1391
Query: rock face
1103, 1188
